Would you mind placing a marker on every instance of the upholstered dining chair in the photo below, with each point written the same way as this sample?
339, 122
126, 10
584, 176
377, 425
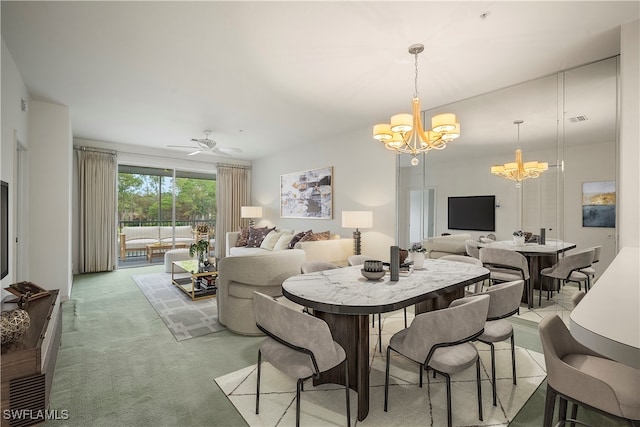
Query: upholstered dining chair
468, 260
472, 248
567, 269
314, 266
297, 344
577, 297
506, 266
359, 260
440, 341
578, 374
590, 272
504, 302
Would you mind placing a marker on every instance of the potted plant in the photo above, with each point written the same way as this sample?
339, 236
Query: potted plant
518, 238
417, 255
201, 247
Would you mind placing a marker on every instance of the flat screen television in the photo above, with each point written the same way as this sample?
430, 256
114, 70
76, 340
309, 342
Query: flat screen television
4, 229
476, 213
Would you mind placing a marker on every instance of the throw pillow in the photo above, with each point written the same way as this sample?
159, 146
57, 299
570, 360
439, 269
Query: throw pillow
295, 239
271, 239
314, 237
283, 241
257, 235
243, 236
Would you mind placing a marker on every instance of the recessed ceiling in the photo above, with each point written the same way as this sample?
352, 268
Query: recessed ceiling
265, 76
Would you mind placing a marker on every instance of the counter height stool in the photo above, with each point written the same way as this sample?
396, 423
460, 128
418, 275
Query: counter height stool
297, 344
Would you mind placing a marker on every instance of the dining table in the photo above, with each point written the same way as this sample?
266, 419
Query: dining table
344, 299
539, 257
607, 320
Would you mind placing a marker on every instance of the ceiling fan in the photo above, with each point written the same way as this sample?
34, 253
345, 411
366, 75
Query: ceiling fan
207, 145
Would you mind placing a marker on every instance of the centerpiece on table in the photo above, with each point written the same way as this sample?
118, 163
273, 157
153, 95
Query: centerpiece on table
417, 255
518, 238
201, 248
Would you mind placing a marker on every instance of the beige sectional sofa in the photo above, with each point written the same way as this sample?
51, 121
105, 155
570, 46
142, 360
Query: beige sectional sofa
137, 238
453, 244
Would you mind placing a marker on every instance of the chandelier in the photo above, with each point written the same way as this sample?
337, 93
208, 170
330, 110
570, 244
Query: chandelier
405, 133
519, 171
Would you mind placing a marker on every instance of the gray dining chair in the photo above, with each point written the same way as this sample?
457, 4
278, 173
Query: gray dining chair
440, 341
577, 297
315, 266
567, 269
504, 302
506, 266
359, 260
590, 272
471, 246
468, 260
297, 344
578, 374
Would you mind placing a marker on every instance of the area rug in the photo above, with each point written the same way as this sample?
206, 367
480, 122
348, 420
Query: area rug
409, 405
184, 318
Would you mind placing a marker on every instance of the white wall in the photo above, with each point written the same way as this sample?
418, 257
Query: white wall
364, 178
50, 157
629, 154
14, 129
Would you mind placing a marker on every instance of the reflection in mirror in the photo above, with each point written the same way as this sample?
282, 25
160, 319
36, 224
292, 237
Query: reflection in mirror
570, 122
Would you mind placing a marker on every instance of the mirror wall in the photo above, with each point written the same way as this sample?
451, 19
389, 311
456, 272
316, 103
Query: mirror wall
569, 120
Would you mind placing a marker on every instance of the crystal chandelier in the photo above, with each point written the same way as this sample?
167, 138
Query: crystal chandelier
519, 171
405, 133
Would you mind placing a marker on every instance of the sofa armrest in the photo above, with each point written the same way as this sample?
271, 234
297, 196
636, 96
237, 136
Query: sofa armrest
333, 250
123, 245
231, 240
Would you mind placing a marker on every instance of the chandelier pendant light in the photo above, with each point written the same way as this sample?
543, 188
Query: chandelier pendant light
405, 133
519, 171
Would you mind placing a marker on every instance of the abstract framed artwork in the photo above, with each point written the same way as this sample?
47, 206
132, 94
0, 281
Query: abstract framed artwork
307, 194
599, 204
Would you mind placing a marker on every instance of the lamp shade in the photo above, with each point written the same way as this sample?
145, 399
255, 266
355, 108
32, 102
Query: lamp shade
357, 219
251, 212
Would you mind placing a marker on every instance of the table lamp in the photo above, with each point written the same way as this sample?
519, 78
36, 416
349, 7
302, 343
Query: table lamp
251, 212
357, 220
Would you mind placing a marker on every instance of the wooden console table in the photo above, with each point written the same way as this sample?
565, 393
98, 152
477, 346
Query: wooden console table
28, 363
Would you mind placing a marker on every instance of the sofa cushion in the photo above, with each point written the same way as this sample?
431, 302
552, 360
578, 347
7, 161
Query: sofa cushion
315, 237
257, 235
243, 236
140, 243
244, 251
182, 231
135, 233
296, 238
271, 239
283, 241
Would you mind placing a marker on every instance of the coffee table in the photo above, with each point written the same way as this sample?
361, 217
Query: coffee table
197, 284
158, 249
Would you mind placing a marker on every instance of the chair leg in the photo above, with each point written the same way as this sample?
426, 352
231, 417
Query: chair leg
513, 358
386, 379
258, 383
448, 379
574, 413
562, 409
493, 373
379, 333
421, 368
346, 388
405, 318
480, 389
298, 390
549, 407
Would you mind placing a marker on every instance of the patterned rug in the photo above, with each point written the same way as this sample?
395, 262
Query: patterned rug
409, 405
184, 318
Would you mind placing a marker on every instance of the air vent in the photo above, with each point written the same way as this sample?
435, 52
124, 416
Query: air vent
577, 119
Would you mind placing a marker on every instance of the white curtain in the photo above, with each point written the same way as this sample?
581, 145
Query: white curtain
233, 191
97, 181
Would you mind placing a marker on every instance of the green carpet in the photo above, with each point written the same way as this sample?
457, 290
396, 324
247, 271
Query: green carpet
120, 366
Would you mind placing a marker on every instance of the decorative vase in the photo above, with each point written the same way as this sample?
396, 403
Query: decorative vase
518, 240
418, 260
201, 262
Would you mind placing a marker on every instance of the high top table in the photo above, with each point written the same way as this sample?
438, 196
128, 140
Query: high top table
344, 299
538, 258
607, 320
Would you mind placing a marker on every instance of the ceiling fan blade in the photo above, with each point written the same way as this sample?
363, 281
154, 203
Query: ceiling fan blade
217, 152
181, 146
230, 149
194, 153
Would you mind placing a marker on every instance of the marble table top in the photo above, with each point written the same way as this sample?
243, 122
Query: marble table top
550, 248
346, 291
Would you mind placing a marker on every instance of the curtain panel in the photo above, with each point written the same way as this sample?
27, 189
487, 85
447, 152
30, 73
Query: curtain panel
97, 185
233, 191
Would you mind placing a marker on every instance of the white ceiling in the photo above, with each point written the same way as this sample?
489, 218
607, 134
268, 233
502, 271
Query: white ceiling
264, 76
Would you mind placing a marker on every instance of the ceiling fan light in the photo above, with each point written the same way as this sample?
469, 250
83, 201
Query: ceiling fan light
402, 122
382, 132
443, 122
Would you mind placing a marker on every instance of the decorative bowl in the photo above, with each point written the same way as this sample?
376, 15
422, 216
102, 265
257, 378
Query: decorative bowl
372, 275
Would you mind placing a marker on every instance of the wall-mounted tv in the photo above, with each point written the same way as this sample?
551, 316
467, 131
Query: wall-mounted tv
476, 213
4, 229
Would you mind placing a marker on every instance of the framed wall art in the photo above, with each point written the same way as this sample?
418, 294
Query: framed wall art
307, 194
599, 204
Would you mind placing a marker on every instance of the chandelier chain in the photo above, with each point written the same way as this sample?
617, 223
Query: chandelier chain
415, 93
